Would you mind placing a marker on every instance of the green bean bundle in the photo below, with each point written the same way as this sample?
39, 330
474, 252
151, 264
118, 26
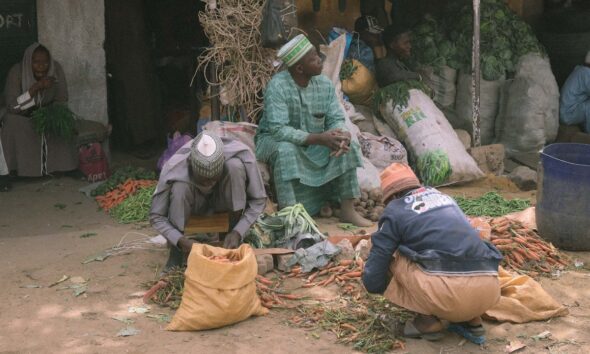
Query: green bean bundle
135, 208
434, 168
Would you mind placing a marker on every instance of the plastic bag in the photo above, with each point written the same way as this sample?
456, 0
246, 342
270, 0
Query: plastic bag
174, 143
218, 294
272, 29
426, 132
93, 162
243, 132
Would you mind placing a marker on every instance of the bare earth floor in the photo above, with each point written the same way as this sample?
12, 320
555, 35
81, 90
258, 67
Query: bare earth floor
41, 222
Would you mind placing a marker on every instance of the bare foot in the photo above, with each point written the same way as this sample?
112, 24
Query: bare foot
349, 215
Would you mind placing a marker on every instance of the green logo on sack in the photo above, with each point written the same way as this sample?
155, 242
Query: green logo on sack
413, 116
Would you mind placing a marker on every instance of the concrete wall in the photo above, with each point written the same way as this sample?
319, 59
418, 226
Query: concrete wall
74, 32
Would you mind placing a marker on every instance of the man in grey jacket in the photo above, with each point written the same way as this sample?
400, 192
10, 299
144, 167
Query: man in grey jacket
207, 175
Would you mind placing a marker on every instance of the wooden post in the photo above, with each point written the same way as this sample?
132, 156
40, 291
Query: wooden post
476, 74
215, 101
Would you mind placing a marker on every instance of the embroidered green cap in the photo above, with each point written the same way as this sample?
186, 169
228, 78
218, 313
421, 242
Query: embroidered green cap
294, 50
206, 157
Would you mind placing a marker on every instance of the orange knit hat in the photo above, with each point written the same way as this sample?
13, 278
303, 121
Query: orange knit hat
396, 178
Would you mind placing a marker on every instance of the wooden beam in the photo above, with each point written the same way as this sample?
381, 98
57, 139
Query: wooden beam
476, 74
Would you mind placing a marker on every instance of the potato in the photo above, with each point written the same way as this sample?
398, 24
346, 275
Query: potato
356, 202
376, 194
374, 217
378, 210
337, 213
363, 204
364, 196
326, 212
370, 203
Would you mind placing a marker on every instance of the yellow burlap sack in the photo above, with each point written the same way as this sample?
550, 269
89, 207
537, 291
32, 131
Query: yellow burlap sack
361, 86
217, 294
523, 300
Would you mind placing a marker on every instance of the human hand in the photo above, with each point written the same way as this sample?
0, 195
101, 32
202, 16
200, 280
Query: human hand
232, 240
344, 146
42, 84
185, 244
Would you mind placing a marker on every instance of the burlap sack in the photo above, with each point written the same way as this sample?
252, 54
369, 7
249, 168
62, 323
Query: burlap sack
218, 294
361, 86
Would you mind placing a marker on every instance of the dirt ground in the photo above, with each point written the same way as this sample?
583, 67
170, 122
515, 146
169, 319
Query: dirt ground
41, 224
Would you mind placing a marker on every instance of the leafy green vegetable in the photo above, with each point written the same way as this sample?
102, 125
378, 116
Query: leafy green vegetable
505, 38
55, 120
491, 204
347, 69
434, 168
399, 93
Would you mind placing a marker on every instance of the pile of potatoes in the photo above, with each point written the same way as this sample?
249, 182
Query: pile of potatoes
371, 204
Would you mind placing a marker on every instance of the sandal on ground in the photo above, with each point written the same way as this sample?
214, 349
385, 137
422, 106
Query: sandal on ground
465, 332
476, 330
410, 331
5, 185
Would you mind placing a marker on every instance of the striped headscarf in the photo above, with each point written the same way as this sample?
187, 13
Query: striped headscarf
206, 157
397, 177
294, 50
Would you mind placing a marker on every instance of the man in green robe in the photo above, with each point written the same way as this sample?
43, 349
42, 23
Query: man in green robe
302, 136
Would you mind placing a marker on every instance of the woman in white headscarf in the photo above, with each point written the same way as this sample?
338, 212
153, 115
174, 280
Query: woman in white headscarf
35, 82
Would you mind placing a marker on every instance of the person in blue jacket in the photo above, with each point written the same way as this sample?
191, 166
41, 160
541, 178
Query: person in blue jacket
427, 258
574, 103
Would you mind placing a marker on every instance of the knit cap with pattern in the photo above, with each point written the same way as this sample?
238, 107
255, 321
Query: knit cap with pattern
206, 157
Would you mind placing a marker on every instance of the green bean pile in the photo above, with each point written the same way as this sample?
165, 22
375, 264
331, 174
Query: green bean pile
135, 208
120, 176
491, 204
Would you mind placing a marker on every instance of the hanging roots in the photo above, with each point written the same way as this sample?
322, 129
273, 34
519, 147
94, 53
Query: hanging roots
244, 66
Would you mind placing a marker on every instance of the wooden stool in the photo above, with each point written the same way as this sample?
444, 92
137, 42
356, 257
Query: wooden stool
200, 224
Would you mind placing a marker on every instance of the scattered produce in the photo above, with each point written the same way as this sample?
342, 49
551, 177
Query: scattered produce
370, 323
167, 291
491, 204
399, 93
135, 208
524, 251
120, 176
117, 195
55, 120
370, 205
434, 168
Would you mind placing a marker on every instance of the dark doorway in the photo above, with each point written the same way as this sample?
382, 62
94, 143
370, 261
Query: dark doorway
151, 49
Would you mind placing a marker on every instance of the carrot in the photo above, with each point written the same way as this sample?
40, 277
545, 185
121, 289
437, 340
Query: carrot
290, 297
323, 272
501, 241
522, 252
264, 280
330, 280
312, 277
336, 269
353, 274
309, 285
509, 247
154, 289
349, 327
518, 259
345, 262
360, 263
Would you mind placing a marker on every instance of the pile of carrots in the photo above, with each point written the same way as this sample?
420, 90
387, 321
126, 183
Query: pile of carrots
116, 196
222, 259
523, 249
346, 274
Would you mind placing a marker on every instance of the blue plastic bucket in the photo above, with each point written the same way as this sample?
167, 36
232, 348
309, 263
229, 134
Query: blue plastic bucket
563, 196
